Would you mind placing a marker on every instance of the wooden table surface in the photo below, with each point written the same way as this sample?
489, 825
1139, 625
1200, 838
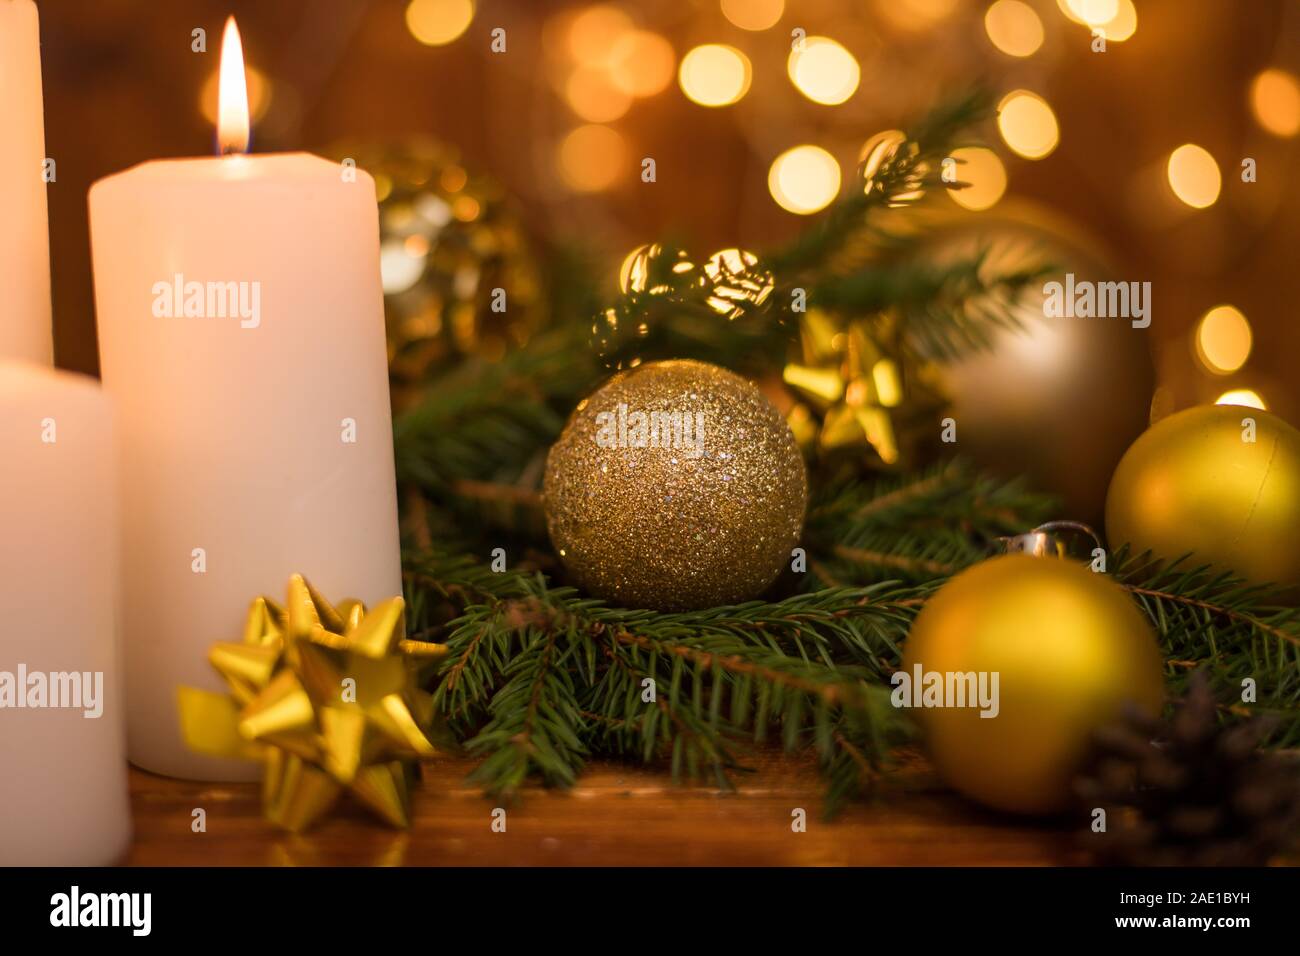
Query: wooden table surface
618, 815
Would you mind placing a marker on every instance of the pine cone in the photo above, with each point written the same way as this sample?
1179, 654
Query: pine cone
1190, 791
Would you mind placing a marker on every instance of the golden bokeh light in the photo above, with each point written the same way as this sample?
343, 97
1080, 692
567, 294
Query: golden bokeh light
1089, 12
915, 16
437, 22
1117, 19
592, 158
804, 179
259, 94
1014, 27
1028, 125
984, 171
1223, 340
753, 14
1246, 397
594, 31
824, 71
1123, 25
1194, 176
641, 63
593, 95
1275, 101
715, 74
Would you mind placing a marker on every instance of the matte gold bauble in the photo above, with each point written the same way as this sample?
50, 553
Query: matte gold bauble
1221, 482
675, 485
1069, 648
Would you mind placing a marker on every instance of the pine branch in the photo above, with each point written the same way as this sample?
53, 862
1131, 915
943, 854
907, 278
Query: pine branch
537, 678
1236, 631
919, 528
912, 171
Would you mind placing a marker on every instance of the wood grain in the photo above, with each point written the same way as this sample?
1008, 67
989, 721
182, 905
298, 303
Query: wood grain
617, 816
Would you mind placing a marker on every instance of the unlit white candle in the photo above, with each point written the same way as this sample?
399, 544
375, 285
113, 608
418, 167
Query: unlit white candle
25, 329
63, 793
241, 335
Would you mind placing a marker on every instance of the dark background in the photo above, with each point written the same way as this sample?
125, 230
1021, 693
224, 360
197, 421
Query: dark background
122, 85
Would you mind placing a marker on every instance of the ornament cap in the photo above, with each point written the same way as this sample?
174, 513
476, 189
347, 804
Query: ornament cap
1047, 540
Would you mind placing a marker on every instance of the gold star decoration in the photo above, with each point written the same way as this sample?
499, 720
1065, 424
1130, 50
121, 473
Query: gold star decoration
325, 696
852, 391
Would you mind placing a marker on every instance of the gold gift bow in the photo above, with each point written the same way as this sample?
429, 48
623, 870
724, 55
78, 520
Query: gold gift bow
325, 696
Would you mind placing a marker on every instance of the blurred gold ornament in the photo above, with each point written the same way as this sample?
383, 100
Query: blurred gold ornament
1070, 650
1221, 482
459, 271
880, 156
1054, 400
675, 485
325, 697
737, 282
853, 392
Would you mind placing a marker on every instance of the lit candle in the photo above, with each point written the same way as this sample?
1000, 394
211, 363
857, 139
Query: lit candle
63, 794
241, 336
25, 330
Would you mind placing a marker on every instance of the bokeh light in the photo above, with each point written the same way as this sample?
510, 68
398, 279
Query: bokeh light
804, 179
400, 265
1194, 175
1223, 340
1014, 27
1117, 19
1089, 12
1275, 101
594, 31
753, 14
715, 74
641, 63
824, 71
436, 22
592, 158
1246, 397
984, 171
592, 94
259, 94
1028, 125
915, 16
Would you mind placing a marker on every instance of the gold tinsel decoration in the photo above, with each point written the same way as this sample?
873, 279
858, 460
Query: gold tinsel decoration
448, 240
325, 696
657, 516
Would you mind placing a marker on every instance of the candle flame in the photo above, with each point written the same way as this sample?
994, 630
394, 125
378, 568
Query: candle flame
232, 94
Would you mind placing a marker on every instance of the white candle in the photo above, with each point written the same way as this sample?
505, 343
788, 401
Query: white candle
25, 329
241, 335
63, 794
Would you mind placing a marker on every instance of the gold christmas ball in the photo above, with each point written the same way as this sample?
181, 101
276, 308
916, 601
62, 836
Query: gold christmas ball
1221, 482
1069, 649
676, 485
1056, 400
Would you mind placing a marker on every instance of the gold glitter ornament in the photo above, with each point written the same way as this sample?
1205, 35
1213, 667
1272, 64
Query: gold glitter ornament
676, 485
1070, 649
1221, 482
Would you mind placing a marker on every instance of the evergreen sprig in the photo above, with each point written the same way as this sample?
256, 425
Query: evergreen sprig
921, 527
1236, 632
540, 678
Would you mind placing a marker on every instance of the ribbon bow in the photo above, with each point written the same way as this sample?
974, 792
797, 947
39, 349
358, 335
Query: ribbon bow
326, 697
